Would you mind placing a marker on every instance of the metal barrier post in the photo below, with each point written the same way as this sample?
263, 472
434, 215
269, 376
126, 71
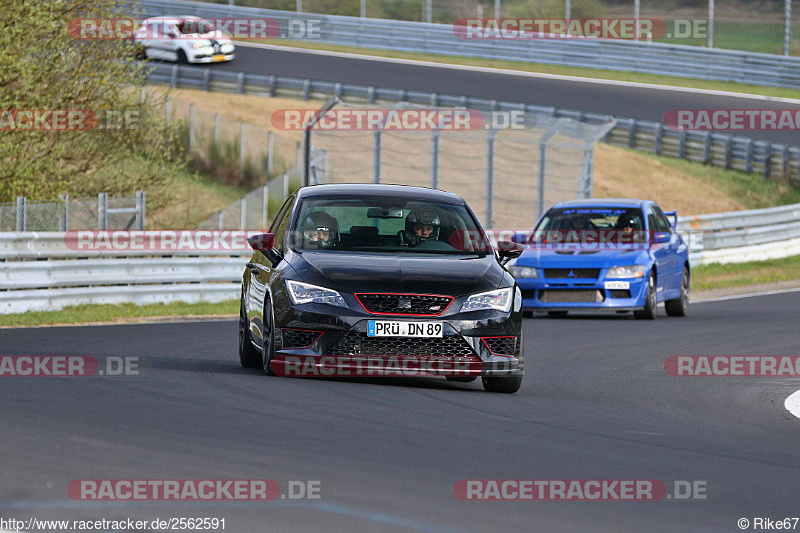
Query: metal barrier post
22, 212
490, 176
191, 127
140, 206
270, 152
242, 153
588, 171
243, 214
435, 159
376, 157
63, 220
264, 205
102, 207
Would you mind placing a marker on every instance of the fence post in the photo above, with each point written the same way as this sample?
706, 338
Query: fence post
542, 168
140, 205
658, 134
22, 212
632, 134
786, 160
707, 148
767, 160
174, 77
220, 220
168, 109
435, 159
240, 83
490, 176
102, 215
728, 152
285, 185
682, 145
216, 129
207, 79
370, 94
191, 127
588, 171
376, 157
143, 98
264, 206
271, 86
63, 221
748, 165
270, 152
242, 153
306, 89
243, 213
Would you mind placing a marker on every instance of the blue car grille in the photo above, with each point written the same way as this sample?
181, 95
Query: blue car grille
571, 273
571, 296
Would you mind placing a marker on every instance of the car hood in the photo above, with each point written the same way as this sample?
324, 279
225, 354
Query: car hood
403, 272
565, 257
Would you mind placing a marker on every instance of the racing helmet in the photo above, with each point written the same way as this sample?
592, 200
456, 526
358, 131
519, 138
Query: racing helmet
315, 226
424, 216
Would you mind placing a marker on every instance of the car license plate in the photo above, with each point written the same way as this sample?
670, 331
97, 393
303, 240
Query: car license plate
219, 57
617, 285
388, 328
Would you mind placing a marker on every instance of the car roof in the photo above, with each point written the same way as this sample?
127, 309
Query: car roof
604, 202
378, 189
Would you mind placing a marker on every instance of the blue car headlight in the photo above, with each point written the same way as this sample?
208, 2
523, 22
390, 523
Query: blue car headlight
499, 300
305, 293
523, 272
626, 272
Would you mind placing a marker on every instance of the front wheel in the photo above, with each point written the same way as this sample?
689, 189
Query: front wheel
506, 384
650, 310
680, 306
268, 339
182, 59
248, 355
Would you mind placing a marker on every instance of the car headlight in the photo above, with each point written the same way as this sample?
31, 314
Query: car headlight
304, 293
499, 300
201, 44
630, 271
523, 272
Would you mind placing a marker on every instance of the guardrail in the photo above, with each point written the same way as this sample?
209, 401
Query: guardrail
720, 150
69, 276
642, 57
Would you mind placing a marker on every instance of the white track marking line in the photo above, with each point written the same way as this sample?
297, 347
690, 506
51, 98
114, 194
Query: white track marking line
747, 295
579, 79
792, 404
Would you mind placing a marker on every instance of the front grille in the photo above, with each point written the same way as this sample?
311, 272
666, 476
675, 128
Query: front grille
404, 304
501, 345
571, 296
298, 338
353, 343
619, 293
571, 273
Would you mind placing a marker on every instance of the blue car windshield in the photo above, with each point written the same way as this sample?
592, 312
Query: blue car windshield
589, 218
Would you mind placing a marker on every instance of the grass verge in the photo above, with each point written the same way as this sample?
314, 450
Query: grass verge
551, 69
719, 276
110, 314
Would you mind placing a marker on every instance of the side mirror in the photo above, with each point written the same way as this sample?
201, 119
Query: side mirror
263, 242
508, 250
660, 238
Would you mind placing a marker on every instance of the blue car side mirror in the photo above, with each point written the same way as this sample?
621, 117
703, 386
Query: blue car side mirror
660, 238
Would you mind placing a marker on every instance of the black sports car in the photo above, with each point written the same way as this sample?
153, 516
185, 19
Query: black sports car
368, 280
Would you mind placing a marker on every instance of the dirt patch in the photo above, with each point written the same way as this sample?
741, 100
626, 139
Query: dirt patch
619, 173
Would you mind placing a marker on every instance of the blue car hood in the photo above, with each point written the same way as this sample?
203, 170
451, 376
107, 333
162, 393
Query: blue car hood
566, 257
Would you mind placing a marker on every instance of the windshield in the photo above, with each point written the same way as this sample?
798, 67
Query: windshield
190, 27
387, 225
590, 218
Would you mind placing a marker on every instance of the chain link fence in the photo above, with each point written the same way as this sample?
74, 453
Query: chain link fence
64, 214
508, 176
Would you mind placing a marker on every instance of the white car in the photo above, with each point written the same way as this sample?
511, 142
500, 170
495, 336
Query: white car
183, 39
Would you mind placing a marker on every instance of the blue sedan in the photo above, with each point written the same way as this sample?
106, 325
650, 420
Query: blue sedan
604, 254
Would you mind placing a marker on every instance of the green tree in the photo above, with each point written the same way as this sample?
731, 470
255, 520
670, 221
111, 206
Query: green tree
44, 68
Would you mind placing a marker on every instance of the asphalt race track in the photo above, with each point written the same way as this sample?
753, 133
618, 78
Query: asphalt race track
635, 102
596, 404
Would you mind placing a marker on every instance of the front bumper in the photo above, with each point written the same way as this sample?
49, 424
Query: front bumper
208, 55
321, 337
561, 294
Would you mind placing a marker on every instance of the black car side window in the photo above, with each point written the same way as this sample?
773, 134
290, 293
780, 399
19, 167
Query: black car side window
280, 215
283, 223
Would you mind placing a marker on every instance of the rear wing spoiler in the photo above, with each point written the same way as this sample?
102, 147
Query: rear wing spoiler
674, 215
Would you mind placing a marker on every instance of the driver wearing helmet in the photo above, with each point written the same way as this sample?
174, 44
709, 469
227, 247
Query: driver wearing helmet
320, 230
422, 224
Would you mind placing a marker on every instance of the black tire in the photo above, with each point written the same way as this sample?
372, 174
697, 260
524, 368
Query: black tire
650, 310
461, 379
505, 384
557, 314
680, 305
527, 314
182, 59
249, 357
268, 338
